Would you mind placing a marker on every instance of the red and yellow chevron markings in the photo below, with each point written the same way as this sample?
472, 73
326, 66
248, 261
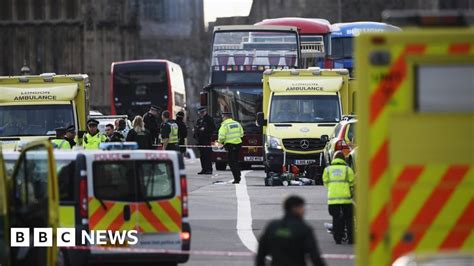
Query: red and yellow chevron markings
151, 217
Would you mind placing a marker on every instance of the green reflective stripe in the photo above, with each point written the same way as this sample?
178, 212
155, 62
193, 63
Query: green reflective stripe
338, 181
340, 198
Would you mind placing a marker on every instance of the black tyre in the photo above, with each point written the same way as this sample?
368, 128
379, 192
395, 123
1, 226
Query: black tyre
221, 166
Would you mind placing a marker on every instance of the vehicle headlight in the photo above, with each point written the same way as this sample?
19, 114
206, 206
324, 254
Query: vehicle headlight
274, 143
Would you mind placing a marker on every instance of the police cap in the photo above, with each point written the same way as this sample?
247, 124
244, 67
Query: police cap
71, 128
60, 130
226, 113
155, 108
202, 109
92, 121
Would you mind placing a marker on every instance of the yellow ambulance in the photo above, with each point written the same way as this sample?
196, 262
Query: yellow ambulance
415, 194
301, 107
31, 107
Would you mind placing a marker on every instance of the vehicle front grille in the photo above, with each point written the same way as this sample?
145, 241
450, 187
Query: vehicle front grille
303, 144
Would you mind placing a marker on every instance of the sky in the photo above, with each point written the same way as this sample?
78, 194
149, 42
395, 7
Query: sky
225, 8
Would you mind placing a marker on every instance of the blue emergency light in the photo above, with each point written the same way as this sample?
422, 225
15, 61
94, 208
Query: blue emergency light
109, 146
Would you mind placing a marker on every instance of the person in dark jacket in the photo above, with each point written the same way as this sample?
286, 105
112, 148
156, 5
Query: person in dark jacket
288, 240
140, 134
182, 131
152, 120
203, 131
112, 135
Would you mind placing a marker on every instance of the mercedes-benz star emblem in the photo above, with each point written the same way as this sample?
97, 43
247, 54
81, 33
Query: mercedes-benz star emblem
304, 144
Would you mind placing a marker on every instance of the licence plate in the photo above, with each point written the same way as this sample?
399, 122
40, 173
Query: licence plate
253, 158
304, 162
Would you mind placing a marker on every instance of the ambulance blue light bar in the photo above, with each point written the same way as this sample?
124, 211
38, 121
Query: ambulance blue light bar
109, 146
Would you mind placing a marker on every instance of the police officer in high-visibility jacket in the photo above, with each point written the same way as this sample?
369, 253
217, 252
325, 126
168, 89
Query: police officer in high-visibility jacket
169, 132
230, 135
339, 180
60, 142
93, 138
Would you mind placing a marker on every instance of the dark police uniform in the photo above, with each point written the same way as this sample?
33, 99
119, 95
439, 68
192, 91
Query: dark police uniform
152, 123
72, 142
288, 241
182, 131
203, 131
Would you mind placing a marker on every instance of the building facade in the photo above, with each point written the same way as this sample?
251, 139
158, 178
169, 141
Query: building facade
86, 36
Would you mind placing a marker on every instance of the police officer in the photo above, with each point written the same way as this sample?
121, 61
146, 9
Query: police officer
169, 133
203, 131
288, 240
70, 136
152, 122
112, 135
93, 138
339, 180
59, 142
230, 135
182, 131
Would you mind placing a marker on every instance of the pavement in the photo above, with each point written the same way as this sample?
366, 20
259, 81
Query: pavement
230, 218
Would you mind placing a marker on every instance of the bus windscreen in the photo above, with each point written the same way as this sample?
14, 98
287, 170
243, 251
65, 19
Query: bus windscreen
136, 86
243, 102
254, 50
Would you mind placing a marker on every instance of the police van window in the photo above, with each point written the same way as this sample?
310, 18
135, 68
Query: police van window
114, 180
66, 170
133, 180
436, 93
156, 180
34, 120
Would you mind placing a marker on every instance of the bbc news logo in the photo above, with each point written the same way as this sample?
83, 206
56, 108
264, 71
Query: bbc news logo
66, 237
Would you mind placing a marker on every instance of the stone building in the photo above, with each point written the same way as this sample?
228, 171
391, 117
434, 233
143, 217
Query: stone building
86, 36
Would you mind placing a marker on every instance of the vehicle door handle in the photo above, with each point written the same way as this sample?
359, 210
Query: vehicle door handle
126, 213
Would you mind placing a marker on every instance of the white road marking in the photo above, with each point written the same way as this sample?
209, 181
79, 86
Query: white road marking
244, 215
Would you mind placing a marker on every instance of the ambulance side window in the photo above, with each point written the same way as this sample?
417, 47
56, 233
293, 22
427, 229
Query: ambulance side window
156, 179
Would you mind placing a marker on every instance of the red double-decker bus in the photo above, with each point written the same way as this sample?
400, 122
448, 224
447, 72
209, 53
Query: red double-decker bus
315, 39
135, 85
239, 56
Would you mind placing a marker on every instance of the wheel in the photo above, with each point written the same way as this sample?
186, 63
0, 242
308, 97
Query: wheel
221, 166
268, 182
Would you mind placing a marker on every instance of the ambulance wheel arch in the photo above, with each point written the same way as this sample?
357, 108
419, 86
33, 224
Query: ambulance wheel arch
418, 192
34, 185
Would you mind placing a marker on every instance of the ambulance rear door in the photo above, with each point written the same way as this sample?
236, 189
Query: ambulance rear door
35, 201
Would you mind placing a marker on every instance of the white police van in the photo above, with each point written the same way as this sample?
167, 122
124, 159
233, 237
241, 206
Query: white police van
119, 189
